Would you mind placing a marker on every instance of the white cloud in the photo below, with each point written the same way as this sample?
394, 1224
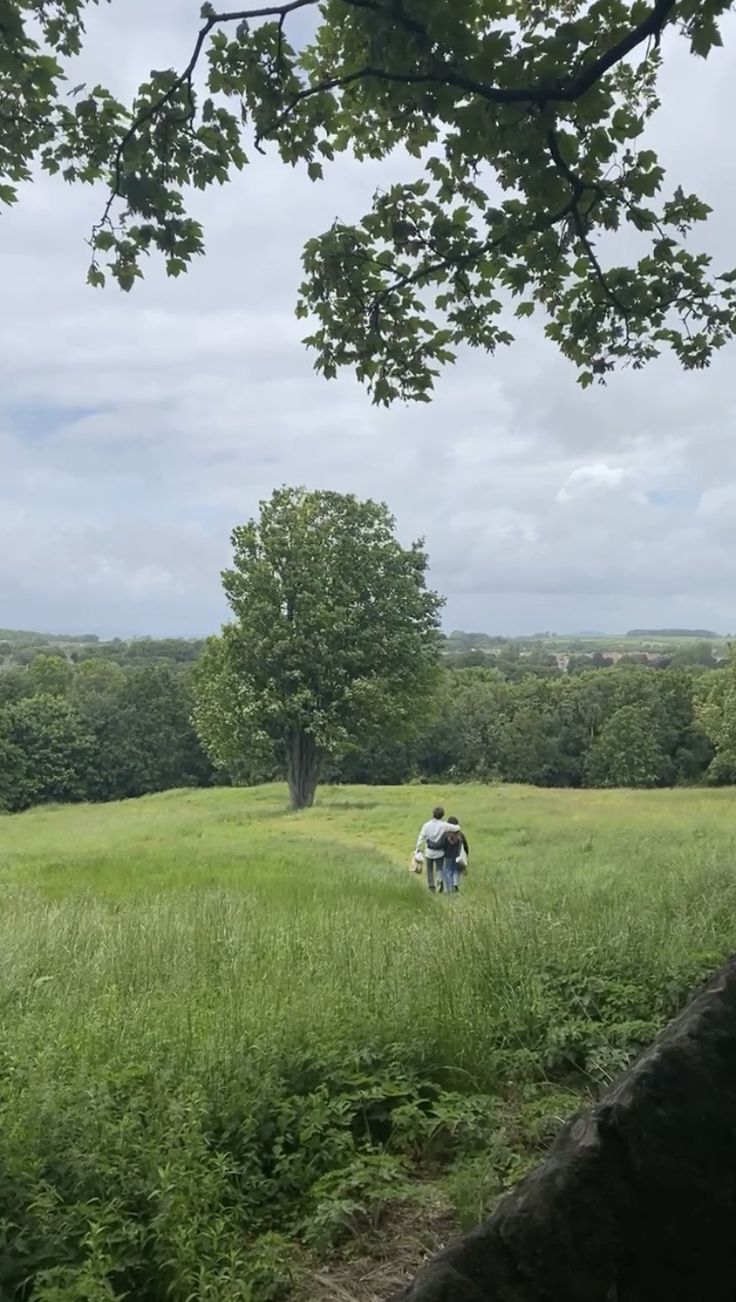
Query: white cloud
594, 480
136, 431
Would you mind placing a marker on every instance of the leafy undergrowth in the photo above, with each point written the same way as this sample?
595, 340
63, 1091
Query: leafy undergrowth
245, 1057
236, 1186
146, 1187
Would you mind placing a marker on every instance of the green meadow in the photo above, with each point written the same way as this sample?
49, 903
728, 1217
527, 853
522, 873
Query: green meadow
244, 1054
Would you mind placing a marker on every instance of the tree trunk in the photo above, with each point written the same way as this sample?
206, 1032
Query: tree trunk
302, 770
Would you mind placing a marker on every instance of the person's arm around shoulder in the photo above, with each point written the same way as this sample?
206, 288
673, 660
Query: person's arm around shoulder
443, 827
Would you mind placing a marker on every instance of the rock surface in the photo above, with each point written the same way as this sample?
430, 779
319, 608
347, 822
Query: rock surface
637, 1200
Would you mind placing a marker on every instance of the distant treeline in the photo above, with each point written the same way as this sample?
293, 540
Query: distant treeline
629, 727
517, 658
109, 727
672, 632
18, 649
17, 637
539, 654
96, 731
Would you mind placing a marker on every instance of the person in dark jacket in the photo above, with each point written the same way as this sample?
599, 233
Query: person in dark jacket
456, 851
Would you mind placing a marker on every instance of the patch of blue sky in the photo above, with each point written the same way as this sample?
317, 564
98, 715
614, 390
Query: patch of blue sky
36, 421
681, 498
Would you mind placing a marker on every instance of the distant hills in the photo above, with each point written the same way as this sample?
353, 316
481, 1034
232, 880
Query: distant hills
672, 632
20, 646
27, 637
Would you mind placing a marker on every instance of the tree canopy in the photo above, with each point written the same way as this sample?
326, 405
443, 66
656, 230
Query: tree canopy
523, 121
118, 728
335, 641
95, 731
716, 713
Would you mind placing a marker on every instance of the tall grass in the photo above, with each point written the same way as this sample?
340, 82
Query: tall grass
175, 971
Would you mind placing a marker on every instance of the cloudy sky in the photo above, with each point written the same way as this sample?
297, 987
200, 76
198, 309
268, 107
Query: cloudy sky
136, 431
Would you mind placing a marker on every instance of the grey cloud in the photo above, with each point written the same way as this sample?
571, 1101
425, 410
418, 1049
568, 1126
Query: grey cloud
160, 419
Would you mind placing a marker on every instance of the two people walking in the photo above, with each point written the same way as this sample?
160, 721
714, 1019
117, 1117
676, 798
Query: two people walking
443, 847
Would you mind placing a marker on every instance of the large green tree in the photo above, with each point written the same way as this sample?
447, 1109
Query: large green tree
716, 713
56, 747
158, 744
628, 751
334, 642
15, 784
50, 675
526, 119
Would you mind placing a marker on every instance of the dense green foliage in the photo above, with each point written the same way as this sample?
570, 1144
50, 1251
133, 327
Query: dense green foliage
233, 1039
716, 710
628, 726
526, 121
334, 642
101, 728
95, 731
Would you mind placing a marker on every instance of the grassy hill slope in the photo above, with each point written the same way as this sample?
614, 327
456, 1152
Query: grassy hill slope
236, 1042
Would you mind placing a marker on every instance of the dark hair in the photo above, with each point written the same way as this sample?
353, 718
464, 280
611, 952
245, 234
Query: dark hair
438, 812
455, 822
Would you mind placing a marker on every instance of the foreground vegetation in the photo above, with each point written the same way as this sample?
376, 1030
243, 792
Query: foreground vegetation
237, 1042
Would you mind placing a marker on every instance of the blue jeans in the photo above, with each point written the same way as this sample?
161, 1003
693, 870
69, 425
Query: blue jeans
450, 874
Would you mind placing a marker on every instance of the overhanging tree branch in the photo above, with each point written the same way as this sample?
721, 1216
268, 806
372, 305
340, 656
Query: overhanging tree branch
396, 16
463, 97
441, 74
650, 27
462, 262
579, 190
266, 11
185, 79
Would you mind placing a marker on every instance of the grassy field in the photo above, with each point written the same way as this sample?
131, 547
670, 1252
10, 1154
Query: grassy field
239, 1046
632, 645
